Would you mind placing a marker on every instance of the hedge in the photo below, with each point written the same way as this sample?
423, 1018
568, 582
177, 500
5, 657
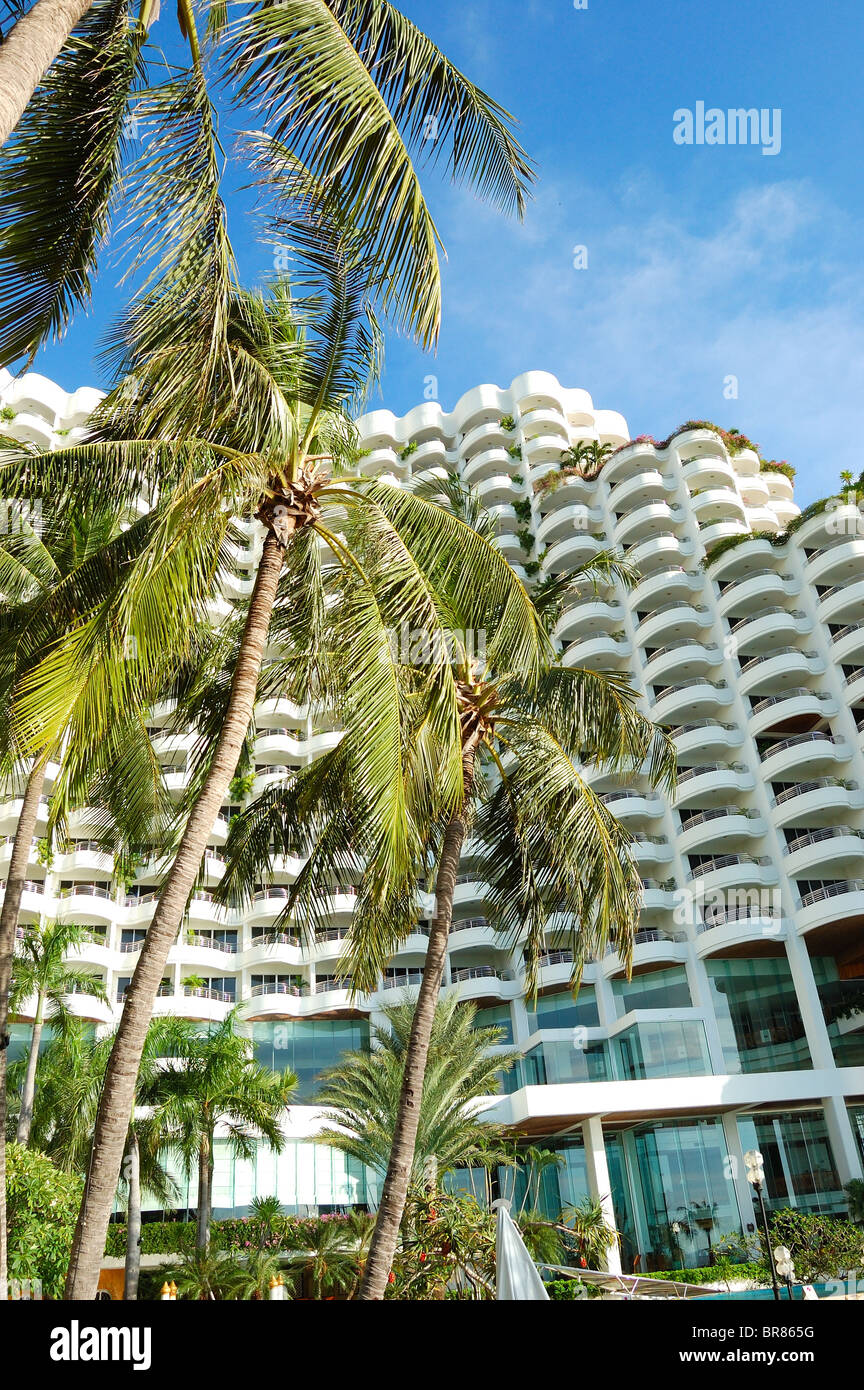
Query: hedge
234, 1233
712, 1274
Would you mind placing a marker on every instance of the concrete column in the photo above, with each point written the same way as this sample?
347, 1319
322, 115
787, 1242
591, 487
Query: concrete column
809, 1003
599, 1184
737, 1170
847, 1154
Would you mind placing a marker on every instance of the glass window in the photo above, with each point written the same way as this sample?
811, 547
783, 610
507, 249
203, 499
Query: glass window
757, 1011
498, 1016
842, 1003
308, 1047
650, 1050
688, 1198
799, 1164
559, 1009
661, 989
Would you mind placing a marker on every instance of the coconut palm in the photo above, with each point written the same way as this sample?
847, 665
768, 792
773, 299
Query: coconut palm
361, 1094
70, 1078
210, 1080
328, 1259
40, 973
587, 1232
586, 457
356, 91
51, 570
275, 450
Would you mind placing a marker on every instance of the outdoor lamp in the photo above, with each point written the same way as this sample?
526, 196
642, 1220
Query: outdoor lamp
785, 1267
277, 1287
755, 1166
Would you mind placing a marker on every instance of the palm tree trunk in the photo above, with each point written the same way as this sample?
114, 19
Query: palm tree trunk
25, 1118
133, 1220
15, 878
118, 1095
205, 1193
395, 1190
28, 51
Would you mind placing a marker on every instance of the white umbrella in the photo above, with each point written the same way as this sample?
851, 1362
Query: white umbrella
516, 1275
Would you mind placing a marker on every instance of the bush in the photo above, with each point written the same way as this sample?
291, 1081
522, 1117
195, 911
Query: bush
42, 1207
714, 1274
822, 1247
233, 1234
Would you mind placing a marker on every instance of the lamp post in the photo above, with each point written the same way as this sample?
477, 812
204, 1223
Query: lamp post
756, 1178
785, 1267
277, 1288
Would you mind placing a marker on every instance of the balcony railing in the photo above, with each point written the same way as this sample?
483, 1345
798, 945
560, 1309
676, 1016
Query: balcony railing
801, 788
279, 987
832, 890
476, 972
826, 832
796, 740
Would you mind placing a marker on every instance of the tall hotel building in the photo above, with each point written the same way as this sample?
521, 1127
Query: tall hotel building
743, 1023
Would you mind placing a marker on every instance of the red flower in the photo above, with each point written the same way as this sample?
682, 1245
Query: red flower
391, 1278
422, 1257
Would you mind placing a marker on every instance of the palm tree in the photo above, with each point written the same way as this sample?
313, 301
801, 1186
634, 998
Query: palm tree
361, 1094
40, 971
279, 455
354, 91
587, 1232
327, 1260
210, 1080
48, 575
586, 457
71, 1075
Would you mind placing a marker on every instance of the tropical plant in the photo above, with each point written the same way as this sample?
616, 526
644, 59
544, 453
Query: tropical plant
202, 1275
70, 1079
51, 572
351, 90
360, 1096
855, 1195
40, 972
587, 1233
211, 1079
327, 1261
41, 1206
822, 1247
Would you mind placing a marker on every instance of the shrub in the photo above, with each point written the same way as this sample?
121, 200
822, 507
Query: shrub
751, 1270
777, 466
42, 1207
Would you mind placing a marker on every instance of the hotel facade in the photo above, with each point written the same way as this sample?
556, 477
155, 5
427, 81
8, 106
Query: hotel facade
742, 1025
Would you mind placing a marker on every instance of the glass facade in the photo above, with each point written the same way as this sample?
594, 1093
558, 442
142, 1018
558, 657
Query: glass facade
799, 1164
307, 1047
308, 1178
650, 1050
757, 1013
556, 1063
685, 1198
842, 1003
559, 1009
498, 1016
659, 989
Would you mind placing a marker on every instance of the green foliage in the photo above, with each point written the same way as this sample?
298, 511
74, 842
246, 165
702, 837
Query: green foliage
515, 451
822, 1247
569, 1290
7, 413
721, 1273
518, 479
44, 853
526, 540
855, 1194
777, 466
42, 1207
241, 785
508, 423
410, 448
522, 508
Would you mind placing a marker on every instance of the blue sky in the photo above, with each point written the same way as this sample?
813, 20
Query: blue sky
703, 263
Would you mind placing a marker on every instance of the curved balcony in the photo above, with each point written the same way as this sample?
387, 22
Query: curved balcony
848, 644
710, 532
755, 491
745, 562
545, 419
724, 871
490, 463
839, 562
709, 471
639, 489
842, 602
381, 460
821, 796
681, 661
543, 448
687, 703
430, 453
815, 750
572, 552
86, 901
710, 504
673, 582
841, 902
706, 736
6, 845
10, 812
723, 826
830, 850
753, 590
658, 552
88, 857
652, 946
787, 664
646, 521
629, 803
476, 982
632, 459
195, 950
790, 708
88, 1007
722, 931
495, 490
714, 781
676, 619
651, 849
558, 524
570, 490
588, 617
769, 628
201, 1005
598, 653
